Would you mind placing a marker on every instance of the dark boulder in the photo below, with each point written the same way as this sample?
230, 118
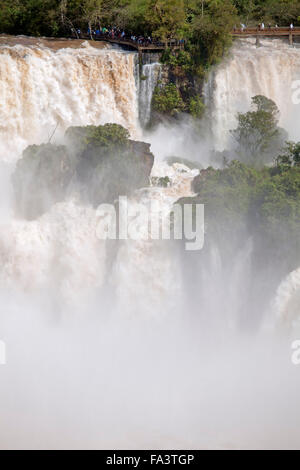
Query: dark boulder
41, 178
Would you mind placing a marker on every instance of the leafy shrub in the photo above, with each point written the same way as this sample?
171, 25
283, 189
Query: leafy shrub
196, 107
167, 100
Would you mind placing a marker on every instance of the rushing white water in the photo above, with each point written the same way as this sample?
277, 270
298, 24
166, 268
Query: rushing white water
268, 70
41, 88
86, 368
287, 300
150, 75
62, 245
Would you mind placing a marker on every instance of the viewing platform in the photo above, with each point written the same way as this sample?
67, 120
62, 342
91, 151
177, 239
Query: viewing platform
268, 32
140, 47
157, 46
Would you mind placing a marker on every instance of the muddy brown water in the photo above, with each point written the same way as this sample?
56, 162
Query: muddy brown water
51, 43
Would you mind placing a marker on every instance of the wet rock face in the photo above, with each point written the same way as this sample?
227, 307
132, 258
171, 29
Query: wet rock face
98, 162
41, 178
118, 172
145, 158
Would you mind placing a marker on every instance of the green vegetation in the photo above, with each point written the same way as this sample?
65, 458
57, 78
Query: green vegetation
162, 182
282, 12
258, 136
196, 107
166, 19
211, 23
248, 200
167, 100
31, 17
204, 24
100, 163
182, 59
250, 204
270, 195
262, 205
203, 28
107, 138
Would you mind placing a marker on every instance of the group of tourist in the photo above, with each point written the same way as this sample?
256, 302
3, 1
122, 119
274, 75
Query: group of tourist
120, 35
261, 26
116, 33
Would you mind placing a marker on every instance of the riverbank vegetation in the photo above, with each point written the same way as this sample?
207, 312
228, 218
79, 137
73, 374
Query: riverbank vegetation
205, 25
203, 28
258, 136
252, 219
253, 196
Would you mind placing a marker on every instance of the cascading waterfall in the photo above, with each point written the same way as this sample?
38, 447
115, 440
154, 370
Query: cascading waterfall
63, 244
79, 376
151, 73
41, 89
269, 70
149, 262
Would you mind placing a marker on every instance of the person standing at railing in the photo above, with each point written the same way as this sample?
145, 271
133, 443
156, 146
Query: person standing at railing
291, 26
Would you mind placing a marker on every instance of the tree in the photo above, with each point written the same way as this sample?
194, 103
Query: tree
32, 17
211, 29
167, 100
91, 13
64, 18
258, 134
128, 14
101, 162
243, 202
246, 8
166, 18
282, 12
291, 155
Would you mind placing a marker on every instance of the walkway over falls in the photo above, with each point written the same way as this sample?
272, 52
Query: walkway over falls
140, 47
267, 32
176, 45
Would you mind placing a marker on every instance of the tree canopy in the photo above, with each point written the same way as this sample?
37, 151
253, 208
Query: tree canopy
258, 135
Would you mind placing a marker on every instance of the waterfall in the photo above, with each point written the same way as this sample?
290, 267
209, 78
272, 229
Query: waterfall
41, 87
112, 344
287, 300
151, 74
269, 70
